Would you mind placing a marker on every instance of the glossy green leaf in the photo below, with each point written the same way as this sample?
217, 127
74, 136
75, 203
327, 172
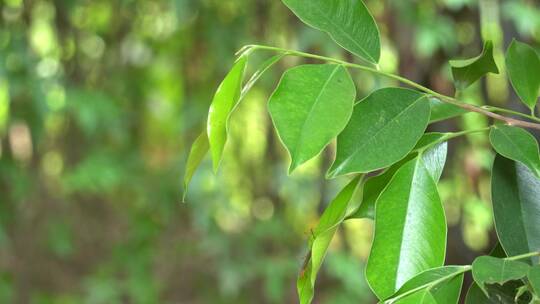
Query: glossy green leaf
534, 279
523, 65
410, 230
489, 270
516, 206
320, 240
468, 71
423, 296
443, 284
198, 151
310, 106
260, 71
516, 144
384, 128
348, 22
225, 100
442, 110
434, 161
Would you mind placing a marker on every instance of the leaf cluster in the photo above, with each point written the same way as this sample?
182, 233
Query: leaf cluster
384, 134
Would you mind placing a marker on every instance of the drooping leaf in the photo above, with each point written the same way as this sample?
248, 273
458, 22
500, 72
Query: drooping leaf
468, 71
434, 161
490, 270
516, 206
383, 129
371, 190
441, 110
348, 22
225, 100
320, 240
410, 229
260, 71
534, 279
523, 65
443, 284
198, 151
310, 106
516, 144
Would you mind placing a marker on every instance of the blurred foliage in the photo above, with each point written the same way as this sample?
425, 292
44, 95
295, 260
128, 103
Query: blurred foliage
99, 101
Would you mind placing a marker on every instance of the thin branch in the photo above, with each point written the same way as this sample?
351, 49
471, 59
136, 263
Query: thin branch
487, 111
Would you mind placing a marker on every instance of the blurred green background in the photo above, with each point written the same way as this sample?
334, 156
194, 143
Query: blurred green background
100, 100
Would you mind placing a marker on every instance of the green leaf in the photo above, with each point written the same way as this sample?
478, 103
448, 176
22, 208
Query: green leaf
225, 100
497, 294
489, 270
423, 296
428, 139
260, 71
310, 106
196, 154
523, 65
348, 22
320, 240
441, 110
516, 144
434, 161
410, 230
443, 284
534, 279
384, 128
371, 191
467, 71
516, 205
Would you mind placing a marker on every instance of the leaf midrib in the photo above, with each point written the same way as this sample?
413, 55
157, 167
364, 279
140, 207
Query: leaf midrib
300, 140
357, 150
402, 232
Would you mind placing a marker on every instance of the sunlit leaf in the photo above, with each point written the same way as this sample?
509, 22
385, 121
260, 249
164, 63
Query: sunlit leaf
423, 296
516, 144
468, 71
410, 229
224, 102
310, 106
198, 151
320, 240
516, 206
523, 66
384, 128
348, 22
489, 270
443, 284
434, 161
